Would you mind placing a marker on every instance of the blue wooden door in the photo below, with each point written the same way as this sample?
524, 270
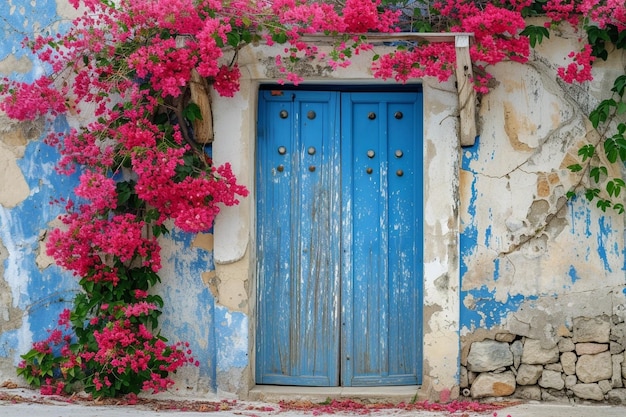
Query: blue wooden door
339, 232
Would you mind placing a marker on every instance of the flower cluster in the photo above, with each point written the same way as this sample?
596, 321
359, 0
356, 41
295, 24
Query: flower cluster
602, 13
89, 241
125, 350
30, 101
579, 69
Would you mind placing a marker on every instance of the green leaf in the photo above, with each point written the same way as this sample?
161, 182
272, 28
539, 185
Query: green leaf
233, 38
596, 173
586, 151
612, 148
246, 36
596, 34
619, 85
603, 204
617, 186
575, 167
192, 112
279, 37
570, 194
602, 112
614, 187
619, 207
535, 34
591, 193
152, 215
158, 230
610, 188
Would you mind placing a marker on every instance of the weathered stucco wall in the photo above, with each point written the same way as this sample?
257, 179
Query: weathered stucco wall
506, 257
532, 262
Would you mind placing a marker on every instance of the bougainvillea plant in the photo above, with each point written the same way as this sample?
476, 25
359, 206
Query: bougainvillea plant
139, 73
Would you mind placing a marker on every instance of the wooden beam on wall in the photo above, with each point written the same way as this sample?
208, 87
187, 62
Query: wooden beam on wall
466, 92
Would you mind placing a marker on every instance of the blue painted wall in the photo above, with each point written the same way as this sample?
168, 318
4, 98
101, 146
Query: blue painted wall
40, 294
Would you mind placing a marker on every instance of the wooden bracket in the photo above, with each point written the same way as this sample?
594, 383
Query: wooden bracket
466, 92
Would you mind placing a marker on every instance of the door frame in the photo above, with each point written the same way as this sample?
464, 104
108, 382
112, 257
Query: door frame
234, 239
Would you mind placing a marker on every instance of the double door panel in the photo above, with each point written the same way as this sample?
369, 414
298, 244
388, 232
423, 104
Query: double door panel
339, 230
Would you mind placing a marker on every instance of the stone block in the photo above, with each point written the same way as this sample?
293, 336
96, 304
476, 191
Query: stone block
530, 392
551, 379
489, 355
570, 381
563, 331
553, 395
616, 378
528, 374
568, 362
590, 348
618, 333
534, 354
615, 348
505, 337
605, 386
588, 392
566, 345
517, 348
554, 367
591, 329
517, 326
594, 368
617, 396
488, 384
471, 376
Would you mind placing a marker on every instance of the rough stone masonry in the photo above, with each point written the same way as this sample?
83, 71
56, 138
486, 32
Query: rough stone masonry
587, 362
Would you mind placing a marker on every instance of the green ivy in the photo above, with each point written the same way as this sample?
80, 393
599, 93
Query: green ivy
606, 118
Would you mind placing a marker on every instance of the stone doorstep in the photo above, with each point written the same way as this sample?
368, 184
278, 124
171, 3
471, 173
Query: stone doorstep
275, 393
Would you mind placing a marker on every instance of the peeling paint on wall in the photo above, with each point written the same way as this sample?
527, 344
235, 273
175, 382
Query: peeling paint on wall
520, 237
39, 294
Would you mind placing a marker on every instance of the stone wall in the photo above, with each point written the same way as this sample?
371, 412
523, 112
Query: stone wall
586, 362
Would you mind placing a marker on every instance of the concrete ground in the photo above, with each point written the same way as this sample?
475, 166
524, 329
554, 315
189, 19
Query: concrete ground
26, 403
